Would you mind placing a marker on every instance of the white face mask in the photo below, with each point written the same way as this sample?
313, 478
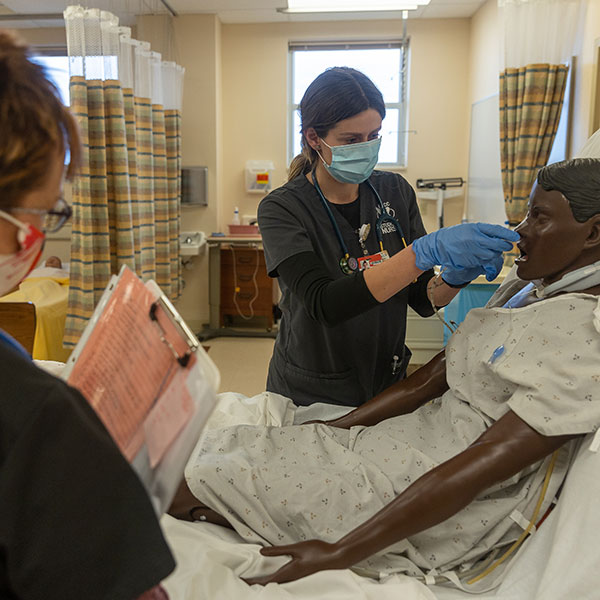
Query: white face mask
15, 267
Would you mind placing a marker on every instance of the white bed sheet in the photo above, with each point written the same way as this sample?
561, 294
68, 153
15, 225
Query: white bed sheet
558, 562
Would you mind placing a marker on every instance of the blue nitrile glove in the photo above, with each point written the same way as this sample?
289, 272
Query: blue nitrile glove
465, 246
462, 277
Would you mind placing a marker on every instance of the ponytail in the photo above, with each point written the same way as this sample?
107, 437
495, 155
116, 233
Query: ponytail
302, 163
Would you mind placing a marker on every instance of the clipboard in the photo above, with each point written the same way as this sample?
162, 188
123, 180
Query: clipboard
148, 378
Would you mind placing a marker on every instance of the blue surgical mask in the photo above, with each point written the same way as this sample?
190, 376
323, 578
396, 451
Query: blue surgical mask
353, 163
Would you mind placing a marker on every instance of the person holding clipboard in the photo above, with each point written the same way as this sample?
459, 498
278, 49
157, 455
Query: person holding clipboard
75, 520
351, 253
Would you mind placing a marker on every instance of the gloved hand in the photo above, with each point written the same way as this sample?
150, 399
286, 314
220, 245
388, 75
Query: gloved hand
465, 246
461, 277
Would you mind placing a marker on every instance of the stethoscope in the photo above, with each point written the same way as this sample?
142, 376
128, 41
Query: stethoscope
348, 263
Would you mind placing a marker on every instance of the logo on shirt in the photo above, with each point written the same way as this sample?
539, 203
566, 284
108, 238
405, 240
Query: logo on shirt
387, 227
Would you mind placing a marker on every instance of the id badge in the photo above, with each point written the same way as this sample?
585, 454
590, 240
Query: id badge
366, 262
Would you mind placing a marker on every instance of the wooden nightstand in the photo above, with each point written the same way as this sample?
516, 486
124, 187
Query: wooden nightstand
246, 289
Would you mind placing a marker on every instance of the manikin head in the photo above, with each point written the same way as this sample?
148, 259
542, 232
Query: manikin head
561, 231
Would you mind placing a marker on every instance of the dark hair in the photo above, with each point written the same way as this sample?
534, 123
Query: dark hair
34, 123
336, 94
578, 180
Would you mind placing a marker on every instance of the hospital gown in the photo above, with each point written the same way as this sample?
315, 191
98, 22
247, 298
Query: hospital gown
287, 484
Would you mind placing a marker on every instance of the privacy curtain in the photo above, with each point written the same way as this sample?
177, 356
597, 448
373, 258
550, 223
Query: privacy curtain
540, 37
531, 100
126, 198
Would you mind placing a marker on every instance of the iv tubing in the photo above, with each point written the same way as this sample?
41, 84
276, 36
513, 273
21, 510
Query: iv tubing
531, 522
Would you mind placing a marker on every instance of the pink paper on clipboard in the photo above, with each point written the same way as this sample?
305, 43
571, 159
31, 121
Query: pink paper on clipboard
168, 417
125, 366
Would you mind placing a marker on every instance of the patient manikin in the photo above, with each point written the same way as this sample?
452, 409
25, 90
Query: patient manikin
449, 465
52, 268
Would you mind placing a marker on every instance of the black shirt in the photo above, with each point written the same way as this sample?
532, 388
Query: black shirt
75, 521
327, 300
354, 359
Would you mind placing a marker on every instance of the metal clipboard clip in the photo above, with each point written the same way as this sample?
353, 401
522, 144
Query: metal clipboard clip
180, 325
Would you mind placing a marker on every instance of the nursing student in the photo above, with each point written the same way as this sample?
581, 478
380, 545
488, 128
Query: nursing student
348, 246
75, 520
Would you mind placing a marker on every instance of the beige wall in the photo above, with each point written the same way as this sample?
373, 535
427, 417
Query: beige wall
484, 52
235, 102
235, 109
43, 36
255, 97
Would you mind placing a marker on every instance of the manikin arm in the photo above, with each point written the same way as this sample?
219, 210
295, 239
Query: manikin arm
506, 448
423, 385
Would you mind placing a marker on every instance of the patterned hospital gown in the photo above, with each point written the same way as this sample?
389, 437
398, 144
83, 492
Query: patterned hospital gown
286, 484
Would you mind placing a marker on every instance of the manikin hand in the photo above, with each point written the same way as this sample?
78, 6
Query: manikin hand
307, 558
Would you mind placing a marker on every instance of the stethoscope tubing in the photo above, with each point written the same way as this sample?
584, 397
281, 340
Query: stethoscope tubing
336, 227
383, 217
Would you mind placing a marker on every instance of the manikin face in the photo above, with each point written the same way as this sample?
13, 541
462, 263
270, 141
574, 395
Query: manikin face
362, 127
552, 241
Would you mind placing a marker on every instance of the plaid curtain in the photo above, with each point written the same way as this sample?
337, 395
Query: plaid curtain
173, 152
126, 197
531, 99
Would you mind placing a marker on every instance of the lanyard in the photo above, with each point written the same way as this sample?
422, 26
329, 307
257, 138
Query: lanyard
11, 342
348, 263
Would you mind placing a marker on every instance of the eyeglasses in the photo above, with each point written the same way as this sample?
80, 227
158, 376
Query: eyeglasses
54, 218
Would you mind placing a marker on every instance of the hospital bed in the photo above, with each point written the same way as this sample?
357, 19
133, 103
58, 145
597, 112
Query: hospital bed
47, 289
557, 562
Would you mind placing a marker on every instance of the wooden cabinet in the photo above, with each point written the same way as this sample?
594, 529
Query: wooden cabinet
246, 289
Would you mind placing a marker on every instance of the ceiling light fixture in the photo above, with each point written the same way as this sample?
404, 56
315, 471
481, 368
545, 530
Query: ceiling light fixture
325, 6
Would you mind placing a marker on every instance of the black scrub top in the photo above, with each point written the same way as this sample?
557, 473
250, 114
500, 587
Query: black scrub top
75, 520
349, 363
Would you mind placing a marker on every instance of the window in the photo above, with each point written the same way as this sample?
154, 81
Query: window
56, 64
57, 70
386, 64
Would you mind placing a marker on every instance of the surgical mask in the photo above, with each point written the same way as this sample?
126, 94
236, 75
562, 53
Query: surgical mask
574, 281
352, 163
15, 267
